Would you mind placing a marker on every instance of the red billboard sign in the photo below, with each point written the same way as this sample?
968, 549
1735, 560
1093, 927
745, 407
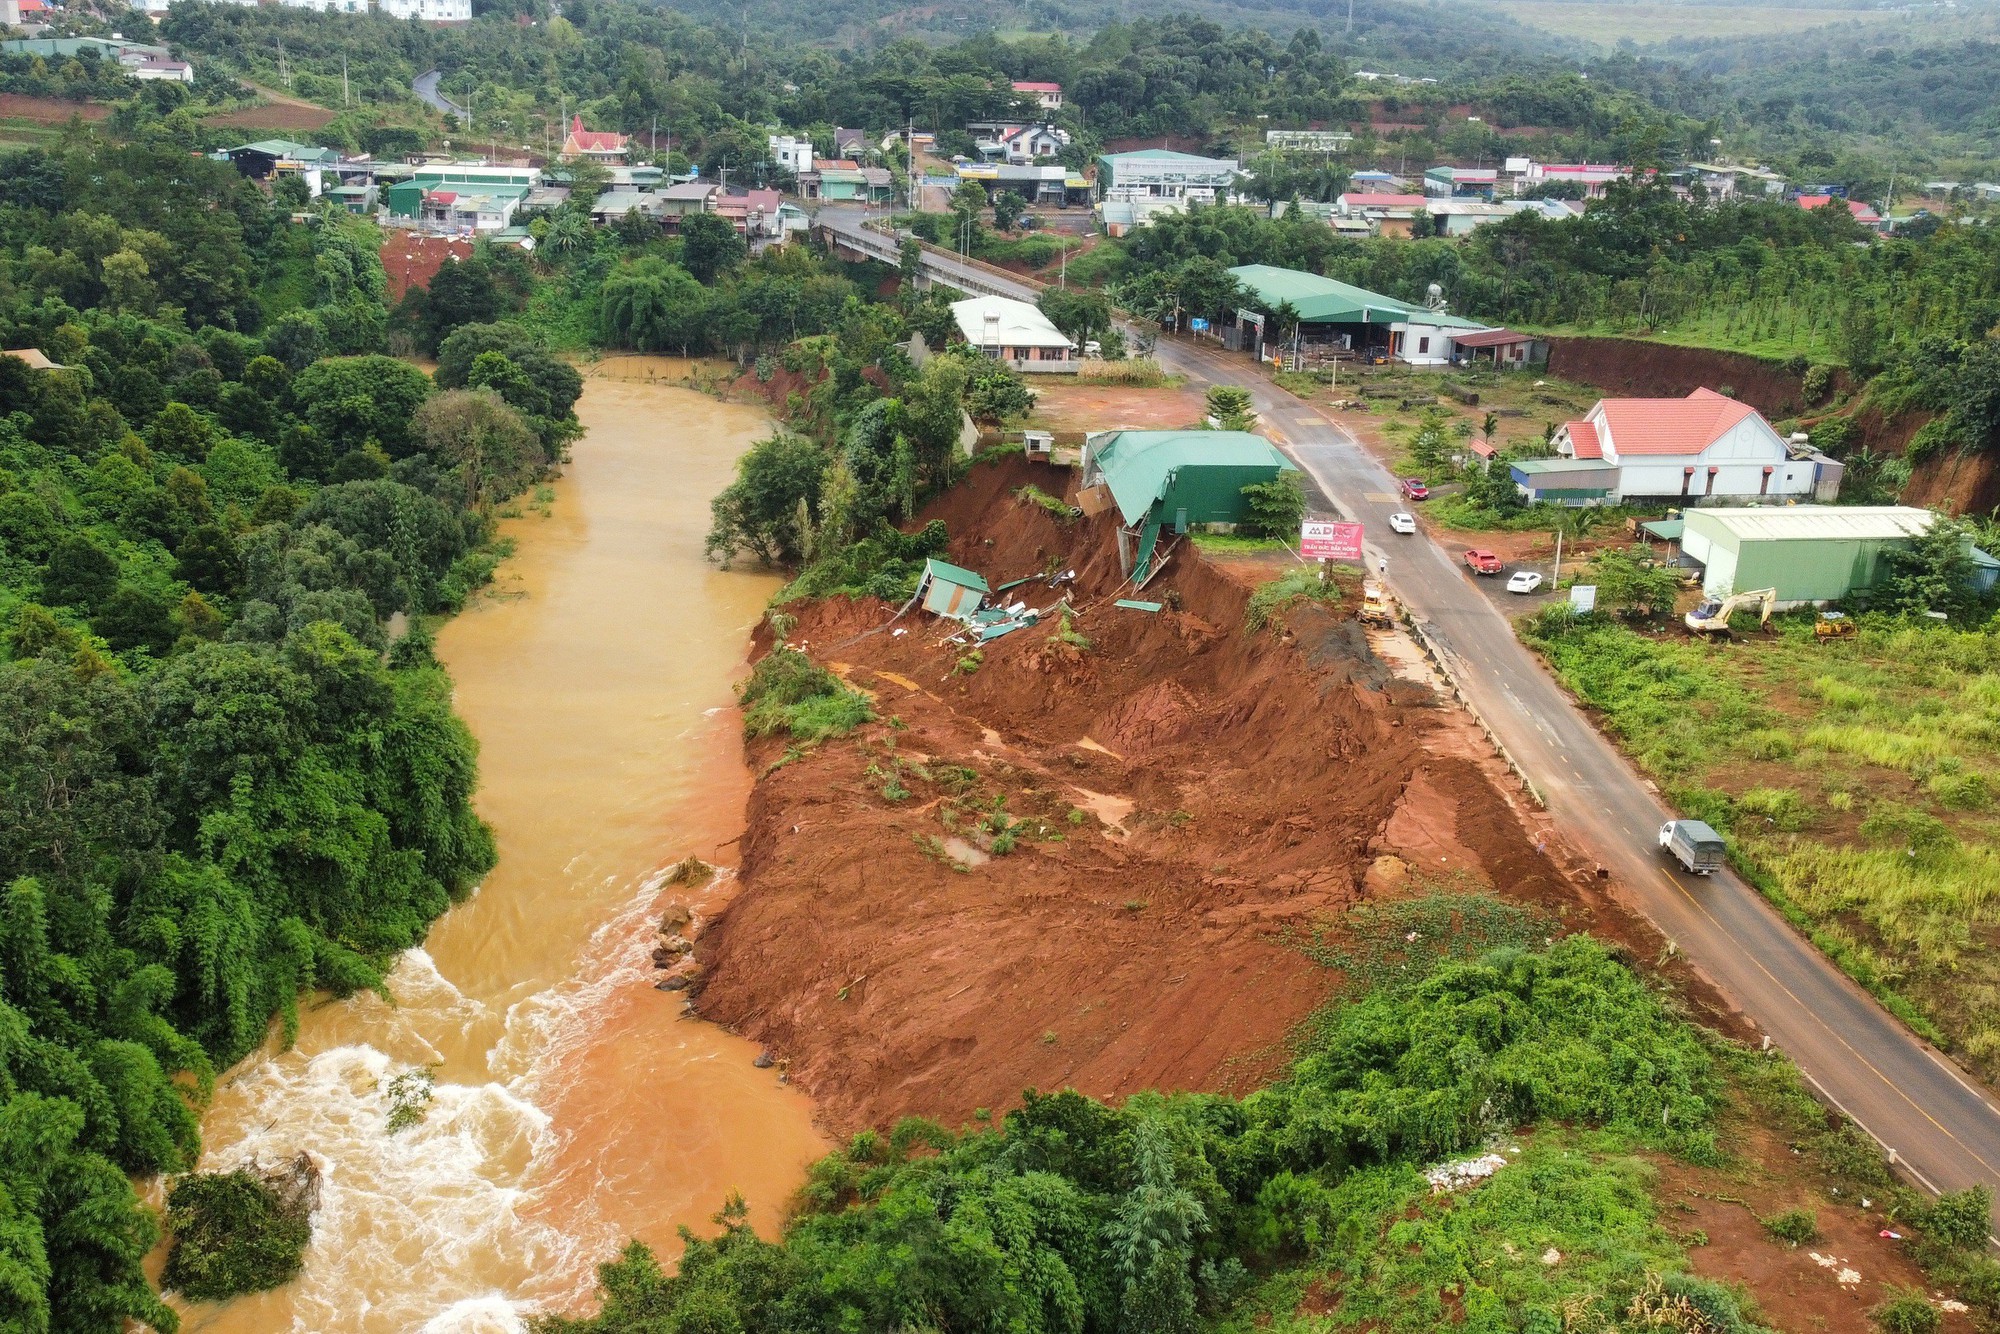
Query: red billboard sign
1330, 541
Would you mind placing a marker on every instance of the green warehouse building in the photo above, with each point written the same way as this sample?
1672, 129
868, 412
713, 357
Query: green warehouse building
1173, 480
1809, 553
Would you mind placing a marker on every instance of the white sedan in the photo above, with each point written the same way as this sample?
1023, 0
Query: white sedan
1523, 581
1400, 522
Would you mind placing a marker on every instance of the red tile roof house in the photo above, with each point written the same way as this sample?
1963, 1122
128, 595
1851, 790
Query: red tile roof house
754, 213
1863, 214
1701, 447
597, 145
1048, 95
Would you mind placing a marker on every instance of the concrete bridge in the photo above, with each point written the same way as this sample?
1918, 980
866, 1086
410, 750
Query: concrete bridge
844, 232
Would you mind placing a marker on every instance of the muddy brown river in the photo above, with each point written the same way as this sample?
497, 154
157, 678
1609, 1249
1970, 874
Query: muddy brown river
573, 1107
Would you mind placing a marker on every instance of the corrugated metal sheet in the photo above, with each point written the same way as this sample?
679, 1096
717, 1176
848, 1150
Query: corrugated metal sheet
1200, 472
1798, 523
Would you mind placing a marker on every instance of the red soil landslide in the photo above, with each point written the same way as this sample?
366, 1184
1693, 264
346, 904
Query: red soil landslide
1238, 788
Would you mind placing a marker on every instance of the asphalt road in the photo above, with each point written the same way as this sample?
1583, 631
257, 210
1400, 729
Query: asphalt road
425, 86
1939, 1126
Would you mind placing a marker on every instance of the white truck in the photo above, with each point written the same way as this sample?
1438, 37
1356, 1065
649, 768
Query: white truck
1694, 845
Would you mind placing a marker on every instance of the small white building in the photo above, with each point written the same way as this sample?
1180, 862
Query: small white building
427, 11
1016, 333
1048, 96
791, 152
1704, 446
174, 71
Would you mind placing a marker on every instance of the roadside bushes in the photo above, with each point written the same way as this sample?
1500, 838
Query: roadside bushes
1161, 1213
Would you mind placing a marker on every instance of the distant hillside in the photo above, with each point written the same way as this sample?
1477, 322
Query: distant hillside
1434, 39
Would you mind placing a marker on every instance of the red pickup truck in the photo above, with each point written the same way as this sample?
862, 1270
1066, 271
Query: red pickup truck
1482, 562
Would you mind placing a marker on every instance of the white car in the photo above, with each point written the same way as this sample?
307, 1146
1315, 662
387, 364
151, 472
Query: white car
1400, 522
1523, 581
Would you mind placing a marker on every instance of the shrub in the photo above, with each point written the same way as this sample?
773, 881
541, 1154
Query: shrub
1962, 791
1779, 807
1274, 508
1890, 823
1908, 1311
240, 1231
1292, 588
1768, 743
1794, 1227
787, 691
1230, 406
1960, 1219
1137, 372
1055, 505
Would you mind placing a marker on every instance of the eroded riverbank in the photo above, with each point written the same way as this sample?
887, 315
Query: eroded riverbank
573, 1106
1190, 812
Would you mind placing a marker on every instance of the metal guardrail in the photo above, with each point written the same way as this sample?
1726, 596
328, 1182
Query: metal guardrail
1435, 652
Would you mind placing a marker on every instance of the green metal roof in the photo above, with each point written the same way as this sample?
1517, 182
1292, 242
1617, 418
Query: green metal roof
279, 148
1541, 467
1328, 301
1667, 530
954, 574
1141, 466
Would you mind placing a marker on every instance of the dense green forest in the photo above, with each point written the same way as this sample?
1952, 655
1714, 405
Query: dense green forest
231, 772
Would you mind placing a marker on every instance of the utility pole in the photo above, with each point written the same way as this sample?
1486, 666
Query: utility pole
343, 78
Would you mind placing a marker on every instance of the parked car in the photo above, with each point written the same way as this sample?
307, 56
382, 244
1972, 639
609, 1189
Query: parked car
1414, 488
1400, 522
1524, 581
1481, 561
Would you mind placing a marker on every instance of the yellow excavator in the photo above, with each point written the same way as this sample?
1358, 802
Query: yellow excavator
1712, 616
1377, 607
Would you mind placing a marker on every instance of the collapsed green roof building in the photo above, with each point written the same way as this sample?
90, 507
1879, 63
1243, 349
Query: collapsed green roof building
1173, 479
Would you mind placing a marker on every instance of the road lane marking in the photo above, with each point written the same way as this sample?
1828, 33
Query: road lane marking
1835, 1033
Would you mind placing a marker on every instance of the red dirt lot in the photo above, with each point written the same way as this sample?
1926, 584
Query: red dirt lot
1194, 799
1073, 407
1827, 1284
273, 116
50, 110
412, 259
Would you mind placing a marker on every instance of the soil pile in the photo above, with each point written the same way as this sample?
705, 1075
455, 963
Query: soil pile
1092, 859
1665, 370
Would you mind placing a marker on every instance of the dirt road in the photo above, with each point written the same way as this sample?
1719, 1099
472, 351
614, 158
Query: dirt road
1938, 1125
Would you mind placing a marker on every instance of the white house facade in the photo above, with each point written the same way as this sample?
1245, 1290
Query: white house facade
1702, 447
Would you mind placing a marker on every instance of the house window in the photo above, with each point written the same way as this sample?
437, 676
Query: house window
1423, 346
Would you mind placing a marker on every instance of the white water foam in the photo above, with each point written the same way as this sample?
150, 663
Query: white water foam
410, 1222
